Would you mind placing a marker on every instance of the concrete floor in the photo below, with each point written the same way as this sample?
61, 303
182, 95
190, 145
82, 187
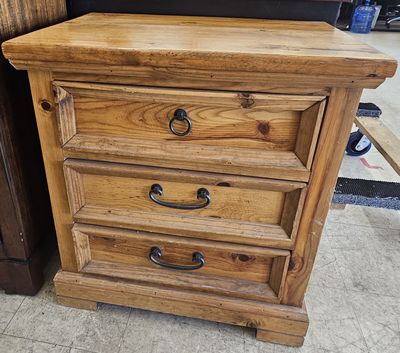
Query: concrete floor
353, 299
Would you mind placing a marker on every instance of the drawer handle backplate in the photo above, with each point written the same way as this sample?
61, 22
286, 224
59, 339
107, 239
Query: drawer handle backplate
180, 115
197, 257
202, 194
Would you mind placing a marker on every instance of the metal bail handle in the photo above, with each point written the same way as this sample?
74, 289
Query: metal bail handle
180, 115
202, 193
197, 257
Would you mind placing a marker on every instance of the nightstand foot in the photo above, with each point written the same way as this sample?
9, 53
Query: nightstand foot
279, 338
77, 303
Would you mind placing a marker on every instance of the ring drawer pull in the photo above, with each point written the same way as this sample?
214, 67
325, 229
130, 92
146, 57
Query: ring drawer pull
180, 115
202, 193
198, 258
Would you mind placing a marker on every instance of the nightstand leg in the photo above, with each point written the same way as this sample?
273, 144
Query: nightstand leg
77, 303
279, 338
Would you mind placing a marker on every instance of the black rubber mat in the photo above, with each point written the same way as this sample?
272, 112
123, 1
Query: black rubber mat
367, 193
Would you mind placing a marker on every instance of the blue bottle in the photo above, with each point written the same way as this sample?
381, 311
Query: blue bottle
362, 18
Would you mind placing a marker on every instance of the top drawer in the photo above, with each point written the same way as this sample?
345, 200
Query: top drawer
248, 134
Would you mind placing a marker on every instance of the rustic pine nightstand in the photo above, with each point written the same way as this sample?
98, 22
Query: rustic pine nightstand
191, 161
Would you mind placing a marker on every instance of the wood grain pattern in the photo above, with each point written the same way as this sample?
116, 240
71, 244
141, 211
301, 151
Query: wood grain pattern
53, 159
270, 164
278, 274
229, 269
187, 226
18, 17
280, 318
82, 248
65, 111
209, 80
225, 286
335, 131
267, 122
233, 44
279, 338
77, 303
308, 132
123, 190
223, 121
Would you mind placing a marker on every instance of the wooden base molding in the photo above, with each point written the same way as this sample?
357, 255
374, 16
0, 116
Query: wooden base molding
275, 323
77, 303
280, 338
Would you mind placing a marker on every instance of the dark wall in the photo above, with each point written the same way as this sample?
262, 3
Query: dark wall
271, 9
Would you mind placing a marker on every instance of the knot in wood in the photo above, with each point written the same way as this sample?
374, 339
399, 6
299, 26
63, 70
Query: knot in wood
246, 100
296, 264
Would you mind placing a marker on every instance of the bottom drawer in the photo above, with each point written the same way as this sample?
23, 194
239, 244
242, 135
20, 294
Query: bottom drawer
234, 270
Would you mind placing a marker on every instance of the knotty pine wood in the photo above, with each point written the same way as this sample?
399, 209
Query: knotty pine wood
241, 209
188, 226
280, 338
233, 44
77, 303
265, 122
308, 131
242, 56
229, 160
339, 117
277, 318
223, 286
209, 80
222, 120
41, 88
230, 269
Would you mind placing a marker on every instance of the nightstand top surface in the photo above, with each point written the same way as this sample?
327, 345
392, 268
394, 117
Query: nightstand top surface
202, 43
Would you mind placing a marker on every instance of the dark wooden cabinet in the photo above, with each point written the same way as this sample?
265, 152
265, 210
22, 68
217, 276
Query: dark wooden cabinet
27, 236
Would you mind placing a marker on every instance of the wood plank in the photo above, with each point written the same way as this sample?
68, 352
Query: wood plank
280, 318
267, 102
252, 45
339, 117
77, 303
291, 215
65, 111
82, 248
120, 194
278, 274
210, 284
246, 120
227, 203
279, 338
137, 171
234, 270
207, 79
270, 164
385, 141
221, 259
53, 159
187, 226
309, 128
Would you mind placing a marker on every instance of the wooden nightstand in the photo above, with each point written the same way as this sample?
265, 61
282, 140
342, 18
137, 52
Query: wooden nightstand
191, 161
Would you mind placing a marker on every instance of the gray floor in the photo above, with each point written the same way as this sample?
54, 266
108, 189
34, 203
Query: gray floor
353, 299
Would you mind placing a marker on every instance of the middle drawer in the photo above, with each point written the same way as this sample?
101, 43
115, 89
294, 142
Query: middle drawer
220, 207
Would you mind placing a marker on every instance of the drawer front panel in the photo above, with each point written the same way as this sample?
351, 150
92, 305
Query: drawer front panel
236, 209
132, 122
235, 269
